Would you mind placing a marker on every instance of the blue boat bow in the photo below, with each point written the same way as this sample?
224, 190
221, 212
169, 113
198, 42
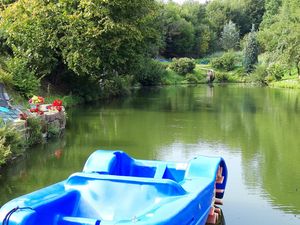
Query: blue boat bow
117, 189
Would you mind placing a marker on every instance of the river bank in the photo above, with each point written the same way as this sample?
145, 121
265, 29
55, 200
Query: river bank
29, 126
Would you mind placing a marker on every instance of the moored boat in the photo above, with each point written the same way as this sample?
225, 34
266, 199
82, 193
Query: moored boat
114, 188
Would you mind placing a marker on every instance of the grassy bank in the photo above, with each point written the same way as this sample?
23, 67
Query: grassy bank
287, 81
199, 73
228, 68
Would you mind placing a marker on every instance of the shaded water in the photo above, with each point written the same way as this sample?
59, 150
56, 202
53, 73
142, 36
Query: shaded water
256, 130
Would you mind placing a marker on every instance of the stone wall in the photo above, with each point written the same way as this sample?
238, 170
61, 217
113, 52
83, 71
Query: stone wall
53, 122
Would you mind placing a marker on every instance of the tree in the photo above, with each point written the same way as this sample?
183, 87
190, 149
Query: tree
271, 10
179, 33
91, 38
281, 39
230, 36
251, 51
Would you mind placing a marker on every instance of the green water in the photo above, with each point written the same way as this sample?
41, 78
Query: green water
256, 130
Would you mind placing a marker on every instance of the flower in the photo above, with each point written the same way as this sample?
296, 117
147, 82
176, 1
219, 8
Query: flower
57, 102
56, 105
36, 100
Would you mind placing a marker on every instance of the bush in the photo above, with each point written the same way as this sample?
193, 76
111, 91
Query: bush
151, 73
5, 77
5, 151
11, 142
217, 63
225, 62
35, 128
192, 78
183, 66
221, 77
12, 137
260, 74
116, 86
276, 71
23, 79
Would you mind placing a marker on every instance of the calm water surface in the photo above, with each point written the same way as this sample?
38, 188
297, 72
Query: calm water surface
256, 130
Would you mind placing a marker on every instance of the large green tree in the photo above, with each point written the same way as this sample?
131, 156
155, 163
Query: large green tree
179, 33
92, 38
281, 39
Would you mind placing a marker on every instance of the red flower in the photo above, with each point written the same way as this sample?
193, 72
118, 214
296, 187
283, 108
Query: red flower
34, 110
57, 102
23, 116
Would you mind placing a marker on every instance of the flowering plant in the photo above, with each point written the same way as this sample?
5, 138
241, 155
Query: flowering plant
36, 100
36, 110
56, 105
57, 102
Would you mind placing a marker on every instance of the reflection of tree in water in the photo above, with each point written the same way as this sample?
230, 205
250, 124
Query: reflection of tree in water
32, 171
261, 122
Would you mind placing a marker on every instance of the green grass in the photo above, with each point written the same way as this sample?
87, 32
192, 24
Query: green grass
287, 82
68, 100
172, 78
199, 75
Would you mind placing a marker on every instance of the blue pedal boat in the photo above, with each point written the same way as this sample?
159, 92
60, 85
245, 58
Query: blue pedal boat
114, 188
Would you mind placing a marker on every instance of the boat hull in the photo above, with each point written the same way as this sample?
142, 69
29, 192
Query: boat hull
117, 189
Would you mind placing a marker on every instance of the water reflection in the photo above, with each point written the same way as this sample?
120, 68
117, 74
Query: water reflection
254, 129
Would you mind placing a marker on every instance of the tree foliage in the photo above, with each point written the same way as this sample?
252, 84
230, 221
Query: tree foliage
230, 36
92, 38
99, 45
251, 51
281, 39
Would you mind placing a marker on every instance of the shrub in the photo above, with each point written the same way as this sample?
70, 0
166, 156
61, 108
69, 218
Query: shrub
117, 85
217, 63
225, 62
11, 142
35, 127
276, 71
23, 79
5, 151
5, 77
221, 77
53, 129
151, 73
192, 78
12, 137
260, 74
183, 66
